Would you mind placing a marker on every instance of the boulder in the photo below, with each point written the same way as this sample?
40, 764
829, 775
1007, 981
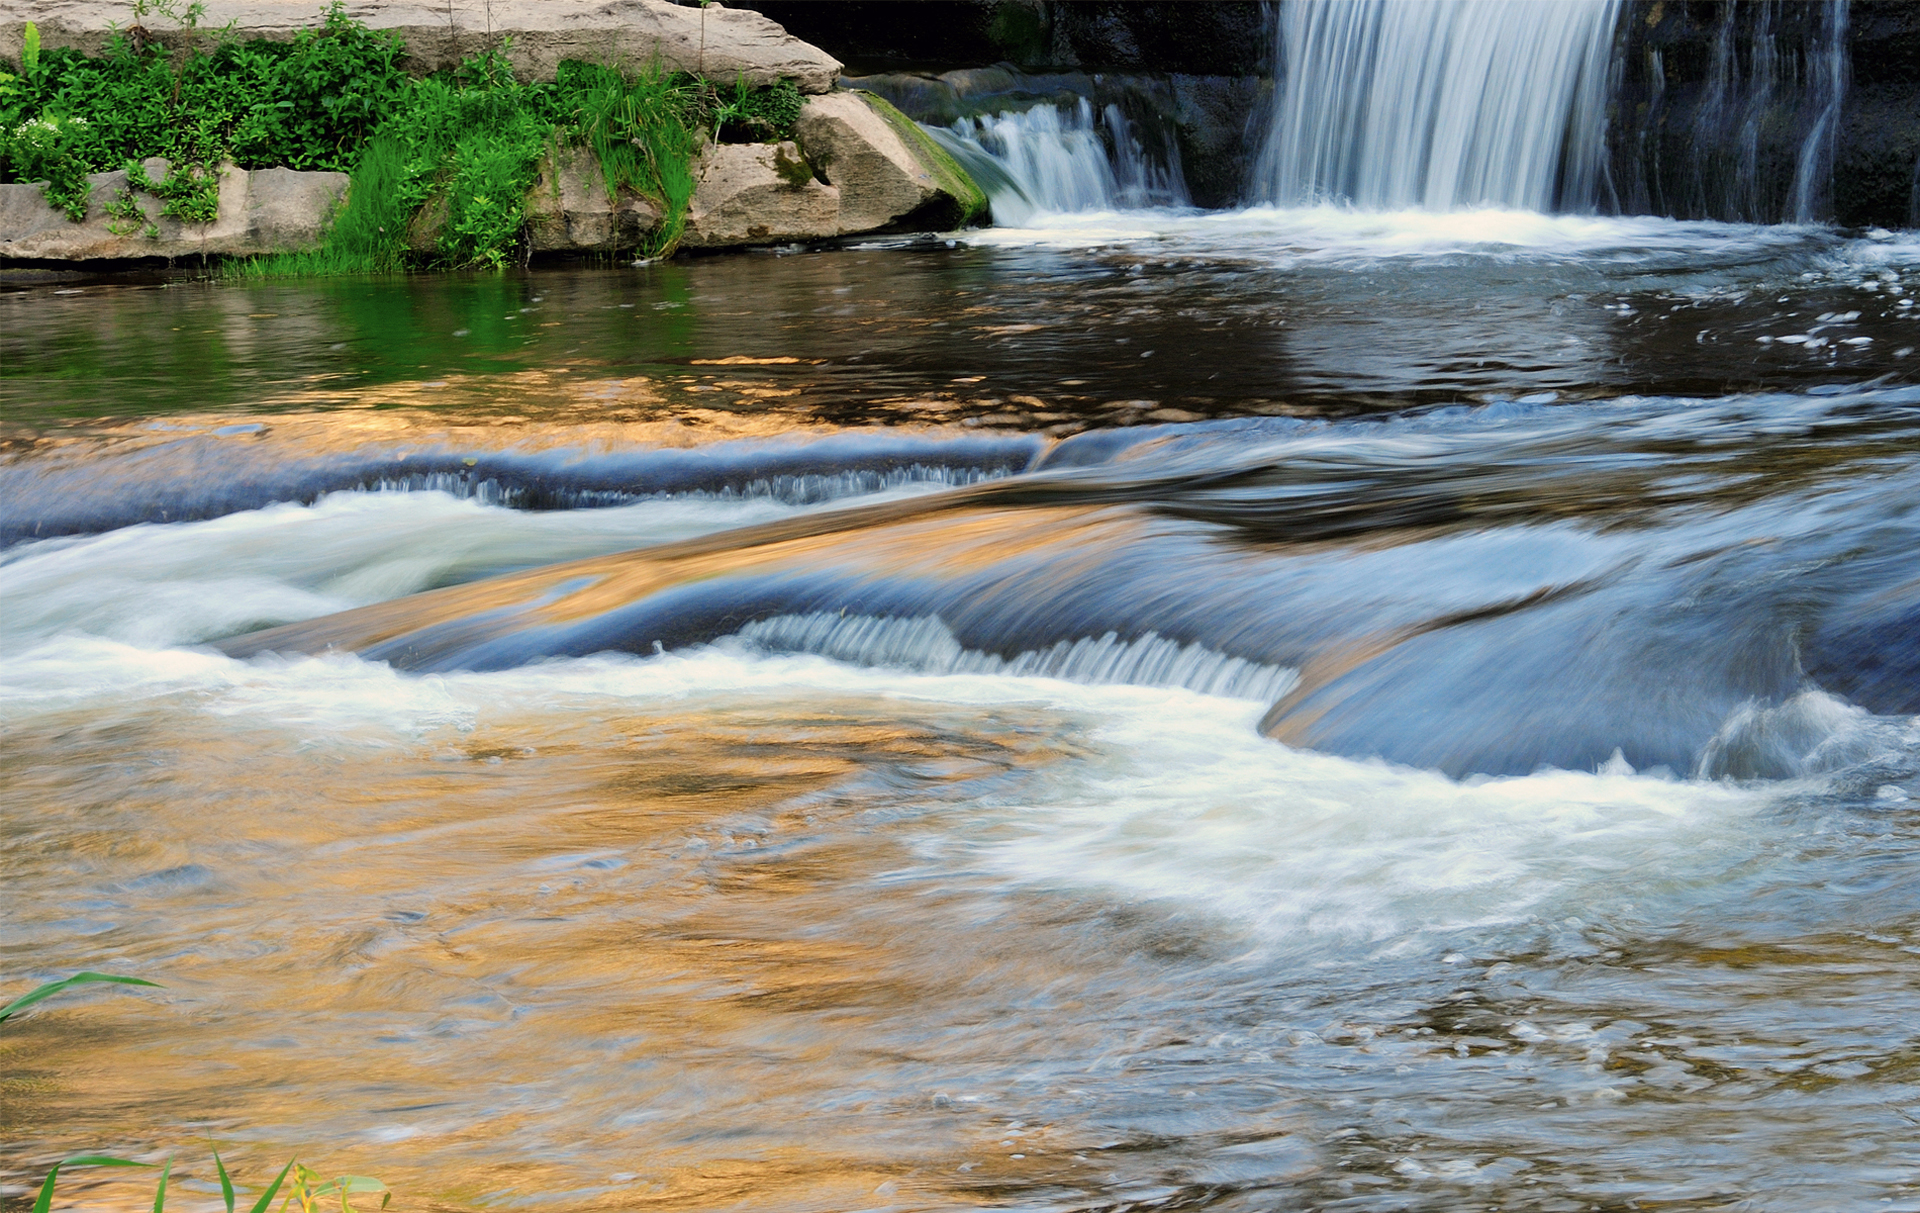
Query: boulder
887, 170
758, 193
273, 210
569, 209
713, 41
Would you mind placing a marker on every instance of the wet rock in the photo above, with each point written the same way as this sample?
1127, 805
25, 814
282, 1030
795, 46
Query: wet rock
570, 210
723, 43
758, 193
887, 171
272, 210
1705, 127
1876, 170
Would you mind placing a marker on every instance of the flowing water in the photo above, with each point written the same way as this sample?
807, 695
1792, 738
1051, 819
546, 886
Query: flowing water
1275, 710
1134, 708
1440, 104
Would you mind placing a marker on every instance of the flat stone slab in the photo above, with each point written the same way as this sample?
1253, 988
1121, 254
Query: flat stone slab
722, 43
269, 210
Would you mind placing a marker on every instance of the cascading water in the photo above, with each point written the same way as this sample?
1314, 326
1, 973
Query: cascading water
1049, 159
1439, 105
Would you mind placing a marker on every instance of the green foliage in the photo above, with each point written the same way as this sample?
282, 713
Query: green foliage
47, 149
30, 49
191, 192
451, 156
752, 115
310, 104
640, 131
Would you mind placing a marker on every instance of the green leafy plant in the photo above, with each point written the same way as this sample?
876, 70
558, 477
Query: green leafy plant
754, 115
440, 166
46, 149
190, 192
642, 132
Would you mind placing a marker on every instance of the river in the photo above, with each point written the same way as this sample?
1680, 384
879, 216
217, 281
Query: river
1270, 709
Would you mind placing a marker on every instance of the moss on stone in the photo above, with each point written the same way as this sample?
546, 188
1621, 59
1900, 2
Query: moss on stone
970, 200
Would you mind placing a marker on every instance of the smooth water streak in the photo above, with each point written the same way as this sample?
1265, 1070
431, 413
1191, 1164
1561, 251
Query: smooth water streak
1441, 104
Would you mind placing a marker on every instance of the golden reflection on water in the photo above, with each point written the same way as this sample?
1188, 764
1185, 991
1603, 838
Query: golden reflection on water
573, 933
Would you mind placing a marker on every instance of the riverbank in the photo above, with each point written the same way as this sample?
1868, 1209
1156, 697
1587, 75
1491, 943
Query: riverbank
321, 149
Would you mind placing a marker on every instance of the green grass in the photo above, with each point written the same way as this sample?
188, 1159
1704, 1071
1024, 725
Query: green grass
309, 1188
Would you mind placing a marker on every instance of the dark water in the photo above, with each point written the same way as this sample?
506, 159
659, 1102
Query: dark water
1279, 710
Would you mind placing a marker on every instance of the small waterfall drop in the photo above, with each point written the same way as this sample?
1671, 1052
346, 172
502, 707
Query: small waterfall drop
1054, 159
1439, 104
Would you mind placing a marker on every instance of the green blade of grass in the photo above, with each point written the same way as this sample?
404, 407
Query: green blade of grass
266, 1198
54, 987
45, 1199
226, 1181
351, 1185
160, 1197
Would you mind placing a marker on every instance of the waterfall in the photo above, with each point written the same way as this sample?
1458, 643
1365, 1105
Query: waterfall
1439, 104
1827, 80
1050, 159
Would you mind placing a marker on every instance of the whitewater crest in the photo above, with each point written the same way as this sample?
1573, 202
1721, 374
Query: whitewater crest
926, 644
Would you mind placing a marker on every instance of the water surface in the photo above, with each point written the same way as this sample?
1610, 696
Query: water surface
1276, 710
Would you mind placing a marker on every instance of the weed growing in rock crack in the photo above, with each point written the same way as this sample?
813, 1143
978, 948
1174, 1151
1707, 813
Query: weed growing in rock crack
189, 192
638, 129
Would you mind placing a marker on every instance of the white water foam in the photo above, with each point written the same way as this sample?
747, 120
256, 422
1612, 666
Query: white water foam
802, 489
1047, 160
1169, 796
927, 644
1308, 851
1343, 236
180, 583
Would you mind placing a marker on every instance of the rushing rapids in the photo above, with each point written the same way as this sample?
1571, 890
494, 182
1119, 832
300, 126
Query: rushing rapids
1135, 707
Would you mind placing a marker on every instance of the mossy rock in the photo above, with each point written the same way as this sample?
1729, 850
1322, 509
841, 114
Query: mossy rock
970, 201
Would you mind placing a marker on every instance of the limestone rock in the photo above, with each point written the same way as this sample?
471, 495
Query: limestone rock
758, 193
273, 210
879, 178
890, 173
722, 43
568, 208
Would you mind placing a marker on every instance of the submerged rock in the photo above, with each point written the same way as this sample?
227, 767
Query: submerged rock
271, 210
